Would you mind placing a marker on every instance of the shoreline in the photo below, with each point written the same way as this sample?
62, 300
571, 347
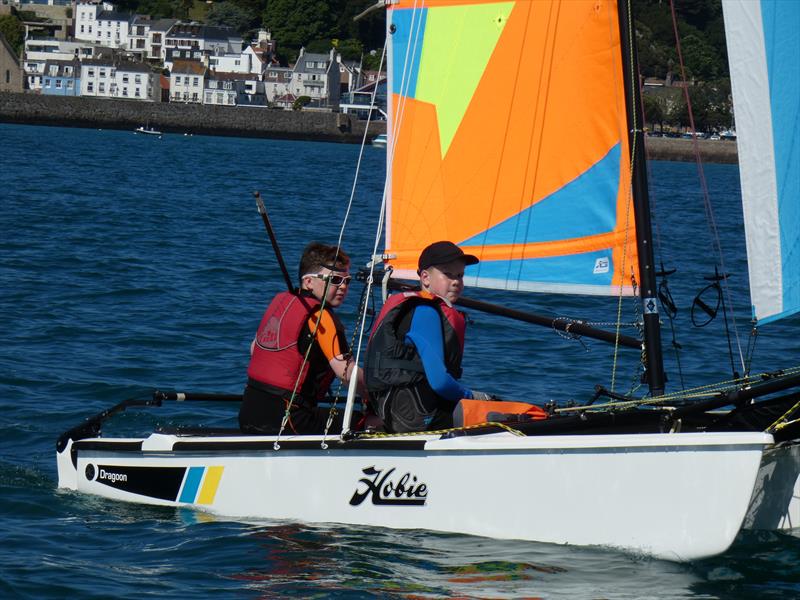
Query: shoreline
243, 121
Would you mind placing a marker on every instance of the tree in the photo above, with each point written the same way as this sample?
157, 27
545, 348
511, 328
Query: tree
295, 23
300, 102
230, 14
12, 29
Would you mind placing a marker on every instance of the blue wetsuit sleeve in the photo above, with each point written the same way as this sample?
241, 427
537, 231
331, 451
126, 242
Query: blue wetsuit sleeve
426, 335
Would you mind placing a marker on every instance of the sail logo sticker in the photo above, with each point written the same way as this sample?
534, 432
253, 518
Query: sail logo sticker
386, 489
601, 265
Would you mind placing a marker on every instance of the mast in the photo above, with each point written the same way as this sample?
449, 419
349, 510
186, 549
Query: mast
654, 362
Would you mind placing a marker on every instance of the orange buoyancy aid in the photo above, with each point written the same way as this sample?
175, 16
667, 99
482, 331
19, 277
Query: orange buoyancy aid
390, 361
277, 357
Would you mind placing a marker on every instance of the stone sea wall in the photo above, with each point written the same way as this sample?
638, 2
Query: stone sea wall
239, 121
711, 151
259, 122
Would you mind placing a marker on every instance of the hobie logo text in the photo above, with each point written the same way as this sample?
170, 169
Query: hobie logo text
112, 477
388, 490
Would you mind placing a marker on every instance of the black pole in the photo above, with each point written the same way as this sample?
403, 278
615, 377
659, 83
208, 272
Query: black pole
654, 361
262, 210
566, 326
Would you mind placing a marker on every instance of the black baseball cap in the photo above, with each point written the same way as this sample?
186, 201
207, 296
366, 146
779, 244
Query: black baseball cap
439, 253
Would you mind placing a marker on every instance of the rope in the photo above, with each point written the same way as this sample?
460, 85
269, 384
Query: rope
628, 203
394, 125
443, 431
706, 198
705, 391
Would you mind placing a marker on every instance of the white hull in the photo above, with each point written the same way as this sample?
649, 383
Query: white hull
674, 496
776, 496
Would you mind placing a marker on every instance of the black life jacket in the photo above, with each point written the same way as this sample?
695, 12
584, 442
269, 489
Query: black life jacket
392, 365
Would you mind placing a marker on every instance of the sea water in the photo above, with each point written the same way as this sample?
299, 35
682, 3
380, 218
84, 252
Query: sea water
132, 263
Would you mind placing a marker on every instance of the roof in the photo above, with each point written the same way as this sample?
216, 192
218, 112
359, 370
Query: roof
301, 66
60, 64
113, 15
9, 49
194, 30
162, 24
191, 67
225, 76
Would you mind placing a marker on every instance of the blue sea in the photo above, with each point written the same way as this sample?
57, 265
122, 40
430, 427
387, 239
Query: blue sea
131, 263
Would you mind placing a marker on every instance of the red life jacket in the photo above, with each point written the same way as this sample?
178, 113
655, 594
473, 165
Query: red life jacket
277, 361
390, 361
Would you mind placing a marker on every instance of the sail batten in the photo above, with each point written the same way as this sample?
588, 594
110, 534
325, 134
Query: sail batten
763, 47
508, 133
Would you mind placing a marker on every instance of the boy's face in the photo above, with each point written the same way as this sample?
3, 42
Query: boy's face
337, 288
446, 280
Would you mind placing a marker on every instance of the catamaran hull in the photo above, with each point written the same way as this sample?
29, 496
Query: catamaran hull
673, 496
775, 504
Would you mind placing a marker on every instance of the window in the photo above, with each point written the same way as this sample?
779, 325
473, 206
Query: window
90, 72
46, 83
137, 93
90, 29
220, 98
70, 84
90, 87
125, 78
101, 87
196, 81
124, 91
81, 28
8, 76
237, 62
102, 72
227, 85
138, 79
58, 84
68, 71
208, 97
194, 97
53, 70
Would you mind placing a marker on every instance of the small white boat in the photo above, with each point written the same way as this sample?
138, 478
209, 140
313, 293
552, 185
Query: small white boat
380, 141
147, 131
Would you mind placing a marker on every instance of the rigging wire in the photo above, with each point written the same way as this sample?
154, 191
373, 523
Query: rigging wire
393, 125
706, 197
629, 205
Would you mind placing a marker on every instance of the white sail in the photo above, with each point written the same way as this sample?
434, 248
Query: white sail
764, 52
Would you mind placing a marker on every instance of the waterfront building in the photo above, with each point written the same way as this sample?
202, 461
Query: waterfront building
234, 89
38, 52
187, 81
146, 37
317, 76
104, 78
277, 82
61, 78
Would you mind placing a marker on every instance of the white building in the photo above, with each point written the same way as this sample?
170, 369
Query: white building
39, 51
98, 22
277, 82
317, 76
146, 37
187, 81
108, 79
192, 36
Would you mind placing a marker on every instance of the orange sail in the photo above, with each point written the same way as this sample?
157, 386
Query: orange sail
508, 137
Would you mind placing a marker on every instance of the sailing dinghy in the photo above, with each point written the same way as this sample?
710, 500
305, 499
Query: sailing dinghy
520, 117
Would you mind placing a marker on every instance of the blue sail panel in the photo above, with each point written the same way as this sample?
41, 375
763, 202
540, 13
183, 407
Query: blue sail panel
763, 47
584, 207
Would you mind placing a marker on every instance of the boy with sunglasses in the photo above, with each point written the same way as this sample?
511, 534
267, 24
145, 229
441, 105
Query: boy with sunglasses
299, 348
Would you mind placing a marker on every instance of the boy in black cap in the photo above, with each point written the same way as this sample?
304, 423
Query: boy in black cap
414, 354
